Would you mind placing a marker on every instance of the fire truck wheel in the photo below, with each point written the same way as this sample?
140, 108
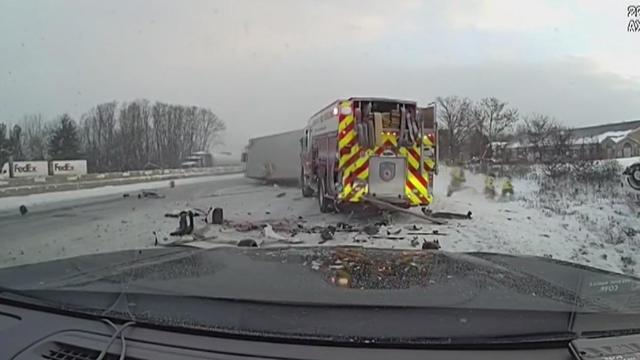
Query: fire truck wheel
322, 199
307, 191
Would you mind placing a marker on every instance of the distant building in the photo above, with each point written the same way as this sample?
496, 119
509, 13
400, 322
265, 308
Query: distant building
608, 141
617, 140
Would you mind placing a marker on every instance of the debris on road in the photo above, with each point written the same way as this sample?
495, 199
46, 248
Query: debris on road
247, 243
394, 232
389, 206
267, 231
23, 210
245, 226
451, 215
415, 242
327, 234
217, 216
371, 229
125, 195
342, 226
184, 228
360, 239
388, 237
430, 245
150, 195
172, 184
433, 232
282, 194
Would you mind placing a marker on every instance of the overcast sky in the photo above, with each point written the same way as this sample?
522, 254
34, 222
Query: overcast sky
265, 66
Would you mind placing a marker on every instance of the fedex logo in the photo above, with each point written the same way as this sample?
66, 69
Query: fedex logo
26, 168
65, 167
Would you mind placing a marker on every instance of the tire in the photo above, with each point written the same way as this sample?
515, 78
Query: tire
323, 202
307, 191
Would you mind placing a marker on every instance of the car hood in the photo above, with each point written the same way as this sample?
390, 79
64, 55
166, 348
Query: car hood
340, 276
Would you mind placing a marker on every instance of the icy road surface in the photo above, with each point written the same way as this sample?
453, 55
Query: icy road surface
111, 222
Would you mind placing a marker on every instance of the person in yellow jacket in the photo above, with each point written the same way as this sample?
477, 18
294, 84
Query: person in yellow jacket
489, 186
457, 179
507, 187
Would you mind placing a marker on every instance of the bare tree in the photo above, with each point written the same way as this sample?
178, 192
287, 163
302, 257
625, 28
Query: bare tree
538, 130
99, 137
133, 127
455, 113
493, 118
137, 135
34, 137
15, 139
558, 155
5, 145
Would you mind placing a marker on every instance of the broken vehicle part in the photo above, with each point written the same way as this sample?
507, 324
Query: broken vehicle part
451, 215
389, 206
217, 216
150, 195
430, 245
371, 229
327, 234
247, 243
184, 227
267, 231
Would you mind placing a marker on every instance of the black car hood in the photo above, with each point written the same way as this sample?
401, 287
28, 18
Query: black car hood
350, 276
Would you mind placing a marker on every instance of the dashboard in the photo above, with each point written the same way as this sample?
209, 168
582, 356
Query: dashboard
29, 334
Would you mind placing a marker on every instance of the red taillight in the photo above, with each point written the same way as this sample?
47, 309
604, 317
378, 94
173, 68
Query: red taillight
431, 137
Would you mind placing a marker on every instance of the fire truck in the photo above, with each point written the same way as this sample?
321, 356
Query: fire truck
364, 149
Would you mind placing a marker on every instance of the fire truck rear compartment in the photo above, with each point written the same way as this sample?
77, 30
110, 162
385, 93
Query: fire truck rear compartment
387, 177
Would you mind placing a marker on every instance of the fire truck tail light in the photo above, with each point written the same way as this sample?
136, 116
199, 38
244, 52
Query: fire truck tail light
344, 110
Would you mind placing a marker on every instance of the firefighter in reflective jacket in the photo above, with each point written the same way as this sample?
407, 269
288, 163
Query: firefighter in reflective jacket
489, 186
457, 179
507, 187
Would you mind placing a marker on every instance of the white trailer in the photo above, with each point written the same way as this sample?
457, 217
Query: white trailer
24, 169
275, 157
37, 169
68, 167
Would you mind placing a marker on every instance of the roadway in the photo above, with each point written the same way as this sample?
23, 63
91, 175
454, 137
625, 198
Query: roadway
94, 224
90, 221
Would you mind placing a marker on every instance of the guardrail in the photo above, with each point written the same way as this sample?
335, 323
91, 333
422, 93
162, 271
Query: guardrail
24, 186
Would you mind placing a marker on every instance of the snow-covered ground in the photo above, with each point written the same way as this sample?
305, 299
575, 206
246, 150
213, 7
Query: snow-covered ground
595, 230
596, 227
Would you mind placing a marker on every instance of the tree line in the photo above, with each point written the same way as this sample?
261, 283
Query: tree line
115, 137
471, 127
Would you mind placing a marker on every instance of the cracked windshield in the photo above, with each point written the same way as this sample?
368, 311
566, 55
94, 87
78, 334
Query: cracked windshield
480, 154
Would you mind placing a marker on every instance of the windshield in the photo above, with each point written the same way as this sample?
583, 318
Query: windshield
423, 154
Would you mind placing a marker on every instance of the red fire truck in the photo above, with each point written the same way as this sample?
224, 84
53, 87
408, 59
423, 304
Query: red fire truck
363, 148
